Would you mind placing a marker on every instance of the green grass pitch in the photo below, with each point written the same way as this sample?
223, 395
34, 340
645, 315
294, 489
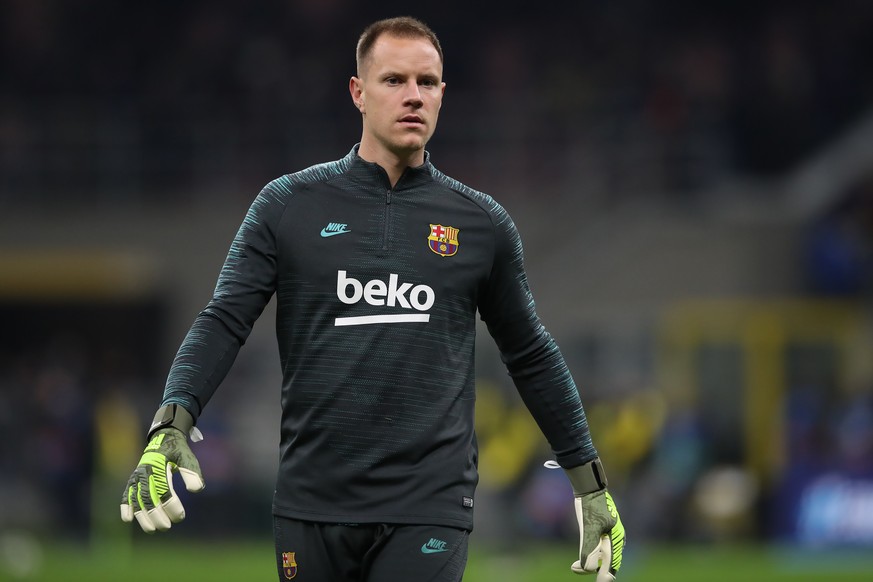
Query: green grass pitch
251, 561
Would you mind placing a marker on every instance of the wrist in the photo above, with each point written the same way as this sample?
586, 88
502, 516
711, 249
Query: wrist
587, 478
172, 416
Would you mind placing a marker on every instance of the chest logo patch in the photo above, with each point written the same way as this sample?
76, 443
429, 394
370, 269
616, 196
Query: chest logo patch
335, 228
443, 240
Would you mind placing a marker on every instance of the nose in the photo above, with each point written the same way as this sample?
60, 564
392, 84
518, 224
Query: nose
413, 94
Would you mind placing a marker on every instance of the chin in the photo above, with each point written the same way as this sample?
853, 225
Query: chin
410, 146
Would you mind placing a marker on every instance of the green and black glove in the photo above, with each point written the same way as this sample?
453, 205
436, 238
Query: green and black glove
600, 529
149, 495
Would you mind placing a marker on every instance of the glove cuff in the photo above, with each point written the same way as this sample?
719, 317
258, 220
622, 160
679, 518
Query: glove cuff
172, 415
587, 478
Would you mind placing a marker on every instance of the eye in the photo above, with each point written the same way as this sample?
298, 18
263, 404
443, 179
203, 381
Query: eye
428, 82
392, 81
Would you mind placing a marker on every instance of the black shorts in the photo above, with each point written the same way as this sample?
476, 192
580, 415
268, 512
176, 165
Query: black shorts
327, 552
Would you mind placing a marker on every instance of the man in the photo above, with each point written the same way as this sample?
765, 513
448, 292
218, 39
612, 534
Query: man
379, 263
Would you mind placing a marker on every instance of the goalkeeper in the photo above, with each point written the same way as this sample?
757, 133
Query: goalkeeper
380, 264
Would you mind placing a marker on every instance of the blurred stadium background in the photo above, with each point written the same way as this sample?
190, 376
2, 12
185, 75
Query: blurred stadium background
694, 186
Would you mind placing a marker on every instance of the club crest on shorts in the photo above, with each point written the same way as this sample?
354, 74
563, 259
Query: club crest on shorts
443, 240
289, 564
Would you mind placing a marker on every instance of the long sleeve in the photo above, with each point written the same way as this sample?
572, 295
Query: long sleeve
245, 284
529, 352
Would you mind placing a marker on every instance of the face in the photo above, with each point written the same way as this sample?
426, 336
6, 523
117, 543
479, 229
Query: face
399, 94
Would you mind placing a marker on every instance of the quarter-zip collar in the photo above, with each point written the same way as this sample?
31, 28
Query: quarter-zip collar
371, 173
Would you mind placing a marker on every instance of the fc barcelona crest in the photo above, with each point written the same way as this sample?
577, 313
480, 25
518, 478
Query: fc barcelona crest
443, 240
289, 565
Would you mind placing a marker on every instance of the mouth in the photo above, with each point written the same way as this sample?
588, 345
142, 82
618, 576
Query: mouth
413, 120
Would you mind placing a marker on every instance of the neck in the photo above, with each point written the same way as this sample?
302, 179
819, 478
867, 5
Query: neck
394, 163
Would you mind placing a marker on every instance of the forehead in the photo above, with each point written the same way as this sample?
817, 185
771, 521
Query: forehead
404, 55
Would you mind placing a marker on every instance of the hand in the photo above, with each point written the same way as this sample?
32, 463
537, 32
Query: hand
600, 530
602, 536
149, 496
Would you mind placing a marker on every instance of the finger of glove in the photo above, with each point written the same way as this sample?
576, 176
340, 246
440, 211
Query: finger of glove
159, 518
145, 497
172, 505
604, 575
151, 517
193, 480
161, 494
600, 558
127, 500
593, 560
578, 569
126, 513
581, 567
602, 555
142, 518
154, 519
173, 509
602, 562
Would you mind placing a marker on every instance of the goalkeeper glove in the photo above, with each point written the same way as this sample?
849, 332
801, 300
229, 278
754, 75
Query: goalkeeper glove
600, 529
149, 495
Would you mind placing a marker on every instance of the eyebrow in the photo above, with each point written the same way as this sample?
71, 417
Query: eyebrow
392, 73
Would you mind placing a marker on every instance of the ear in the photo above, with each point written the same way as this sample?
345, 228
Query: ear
356, 90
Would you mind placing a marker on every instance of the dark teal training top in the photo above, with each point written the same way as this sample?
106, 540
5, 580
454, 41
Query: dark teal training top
377, 293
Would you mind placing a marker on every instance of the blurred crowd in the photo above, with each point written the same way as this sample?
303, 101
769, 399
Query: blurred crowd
72, 378
170, 103
167, 101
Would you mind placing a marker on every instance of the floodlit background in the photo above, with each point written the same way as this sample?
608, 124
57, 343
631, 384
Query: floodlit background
694, 186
